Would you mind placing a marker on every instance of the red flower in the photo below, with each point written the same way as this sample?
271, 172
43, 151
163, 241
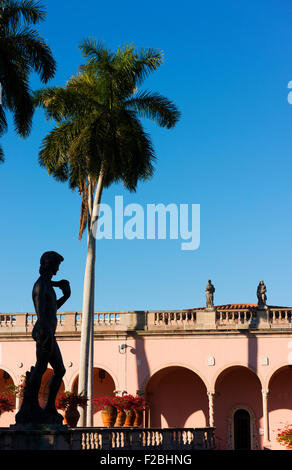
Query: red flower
5, 404
66, 399
125, 402
139, 403
129, 402
285, 436
103, 401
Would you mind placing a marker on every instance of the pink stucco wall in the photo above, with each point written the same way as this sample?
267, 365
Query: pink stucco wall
173, 371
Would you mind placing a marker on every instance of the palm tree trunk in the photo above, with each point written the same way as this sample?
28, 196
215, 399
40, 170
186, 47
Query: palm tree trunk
88, 300
89, 410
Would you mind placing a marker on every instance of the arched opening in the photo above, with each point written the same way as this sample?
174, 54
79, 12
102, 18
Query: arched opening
6, 388
242, 430
280, 402
237, 388
103, 384
177, 397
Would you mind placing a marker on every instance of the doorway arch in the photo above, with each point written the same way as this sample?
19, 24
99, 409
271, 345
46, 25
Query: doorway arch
246, 414
237, 387
241, 430
177, 397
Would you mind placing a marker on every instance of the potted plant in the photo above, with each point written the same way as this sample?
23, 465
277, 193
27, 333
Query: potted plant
118, 403
128, 402
108, 410
139, 405
285, 436
69, 401
16, 390
5, 403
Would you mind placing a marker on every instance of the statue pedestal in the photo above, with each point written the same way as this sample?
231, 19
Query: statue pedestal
42, 437
262, 318
206, 319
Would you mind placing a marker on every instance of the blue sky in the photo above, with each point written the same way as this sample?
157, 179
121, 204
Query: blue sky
227, 66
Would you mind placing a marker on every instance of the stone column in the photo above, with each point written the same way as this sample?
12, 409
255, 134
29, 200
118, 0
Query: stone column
17, 403
265, 394
211, 396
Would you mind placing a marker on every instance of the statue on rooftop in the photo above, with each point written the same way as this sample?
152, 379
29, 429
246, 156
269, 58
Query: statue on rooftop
47, 349
261, 294
210, 289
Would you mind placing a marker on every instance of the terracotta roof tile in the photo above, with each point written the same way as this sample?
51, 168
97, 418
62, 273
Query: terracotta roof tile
231, 307
235, 306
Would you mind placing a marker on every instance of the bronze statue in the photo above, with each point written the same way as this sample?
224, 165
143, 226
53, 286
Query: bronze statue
261, 294
47, 349
210, 289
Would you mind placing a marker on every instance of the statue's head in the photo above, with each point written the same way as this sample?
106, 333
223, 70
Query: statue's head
50, 262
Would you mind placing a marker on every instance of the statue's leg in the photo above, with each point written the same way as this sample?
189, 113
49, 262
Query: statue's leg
36, 376
56, 362
30, 410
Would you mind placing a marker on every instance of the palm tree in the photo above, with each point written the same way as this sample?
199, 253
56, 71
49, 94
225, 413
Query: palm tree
22, 51
98, 140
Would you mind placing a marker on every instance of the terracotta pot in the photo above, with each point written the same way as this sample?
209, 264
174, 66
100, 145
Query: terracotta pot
71, 416
130, 416
138, 418
120, 419
108, 414
62, 412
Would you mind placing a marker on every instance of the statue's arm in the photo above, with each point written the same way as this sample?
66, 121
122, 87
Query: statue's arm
65, 288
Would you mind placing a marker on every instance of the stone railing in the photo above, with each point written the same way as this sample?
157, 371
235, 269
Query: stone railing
235, 318
279, 317
147, 438
220, 318
84, 439
171, 319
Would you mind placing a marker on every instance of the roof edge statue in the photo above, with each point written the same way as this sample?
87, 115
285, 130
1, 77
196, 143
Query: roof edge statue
210, 289
261, 294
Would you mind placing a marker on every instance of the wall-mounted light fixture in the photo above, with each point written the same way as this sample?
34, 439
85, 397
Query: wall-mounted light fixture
101, 375
122, 348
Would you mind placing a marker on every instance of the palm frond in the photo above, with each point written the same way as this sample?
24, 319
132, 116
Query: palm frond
143, 63
16, 96
1, 154
3, 122
94, 50
33, 52
27, 11
98, 120
156, 107
22, 51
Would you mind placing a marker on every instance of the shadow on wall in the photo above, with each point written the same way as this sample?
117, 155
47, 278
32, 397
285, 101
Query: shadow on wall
142, 364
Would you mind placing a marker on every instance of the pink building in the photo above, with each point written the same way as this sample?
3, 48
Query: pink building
227, 366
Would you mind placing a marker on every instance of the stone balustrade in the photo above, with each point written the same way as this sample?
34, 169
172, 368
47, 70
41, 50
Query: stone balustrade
147, 438
242, 318
279, 317
218, 318
108, 439
170, 319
